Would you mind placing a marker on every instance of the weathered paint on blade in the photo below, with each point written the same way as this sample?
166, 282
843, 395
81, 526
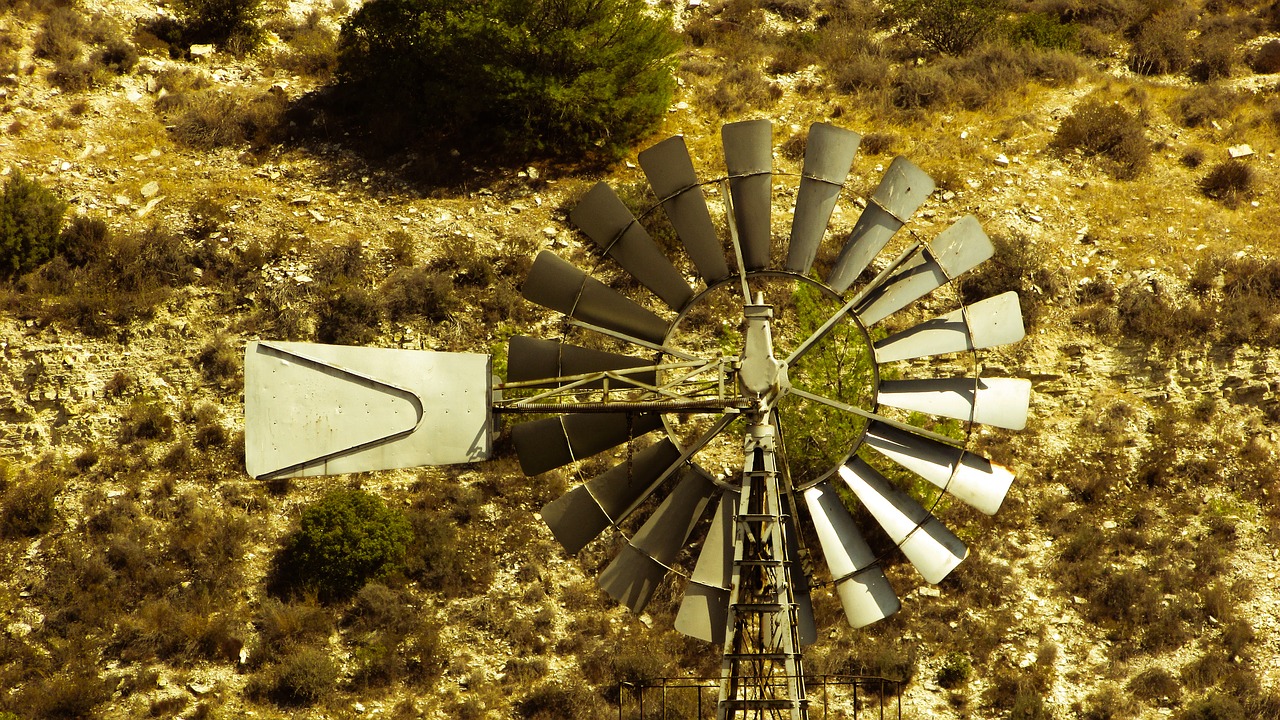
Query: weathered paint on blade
933, 550
704, 609
557, 285
1001, 402
828, 156
987, 323
530, 359
865, 592
748, 156
642, 564
604, 218
670, 172
901, 191
581, 514
971, 478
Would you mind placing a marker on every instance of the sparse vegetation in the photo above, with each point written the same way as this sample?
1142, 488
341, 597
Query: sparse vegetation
181, 203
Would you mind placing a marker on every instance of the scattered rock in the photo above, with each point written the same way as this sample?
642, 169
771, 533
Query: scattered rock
315, 215
1002, 160
199, 689
150, 189
199, 52
1239, 151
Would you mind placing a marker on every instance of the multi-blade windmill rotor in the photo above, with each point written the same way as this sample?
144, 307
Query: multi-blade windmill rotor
755, 398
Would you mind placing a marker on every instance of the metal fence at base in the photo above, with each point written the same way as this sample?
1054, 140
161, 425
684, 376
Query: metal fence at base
831, 697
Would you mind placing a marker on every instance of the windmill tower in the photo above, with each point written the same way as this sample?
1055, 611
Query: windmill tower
773, 365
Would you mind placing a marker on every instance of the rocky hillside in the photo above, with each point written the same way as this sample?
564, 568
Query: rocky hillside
1122, 155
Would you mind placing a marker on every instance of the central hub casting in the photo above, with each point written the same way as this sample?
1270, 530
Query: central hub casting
761, 375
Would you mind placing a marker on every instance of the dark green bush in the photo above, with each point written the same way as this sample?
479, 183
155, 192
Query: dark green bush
955, 671
950, 26
1266, 59
554, 700
345, 539
218, 361
230, 24
1044, 31
1107, 131
306, 676
145, 419
560, 76
83, 239
1156, 685
30, 225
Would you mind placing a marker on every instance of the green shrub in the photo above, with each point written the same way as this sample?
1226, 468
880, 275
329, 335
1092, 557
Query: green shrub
230, 24
1266, 59
218, 361
560, 76
554, 700
345, 539
955, 671
1107, 131
83, 239
60, 34
1044, 31
306, 676
1156, 685
145, 420
213, 119
30, 225
950, 26
416, 292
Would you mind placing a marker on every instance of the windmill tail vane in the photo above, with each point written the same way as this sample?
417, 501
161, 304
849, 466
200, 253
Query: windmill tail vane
667, 377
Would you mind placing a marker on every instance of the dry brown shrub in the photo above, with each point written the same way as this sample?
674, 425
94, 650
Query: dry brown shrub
1107, 131
1266, 59
1229, 182
1160, 46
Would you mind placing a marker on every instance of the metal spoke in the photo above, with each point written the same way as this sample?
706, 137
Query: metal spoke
877, 417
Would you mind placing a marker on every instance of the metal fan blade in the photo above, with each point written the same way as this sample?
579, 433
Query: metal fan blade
954, 252
637, 570
902, 190
581, 514
865, 592
971, 478
987, 323
602, 215
933, 549
1001, 402
808, 629
557, 285
828, 155
550, 443
531, 359
704, 610
748, 156
670, 173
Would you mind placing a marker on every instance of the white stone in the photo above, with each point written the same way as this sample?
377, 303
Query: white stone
1002, 160
1239, 151
200, 51
150, 189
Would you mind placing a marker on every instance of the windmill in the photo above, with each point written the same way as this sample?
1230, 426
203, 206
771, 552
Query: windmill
758, 408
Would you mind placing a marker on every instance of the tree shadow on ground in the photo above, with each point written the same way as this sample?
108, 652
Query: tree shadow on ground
360, 141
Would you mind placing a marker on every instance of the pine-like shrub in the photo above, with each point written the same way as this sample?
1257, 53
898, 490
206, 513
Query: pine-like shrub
950, 26
30, 224
344, 540
230, 24
520, 76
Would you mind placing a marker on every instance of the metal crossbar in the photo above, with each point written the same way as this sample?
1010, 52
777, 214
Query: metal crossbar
694, 698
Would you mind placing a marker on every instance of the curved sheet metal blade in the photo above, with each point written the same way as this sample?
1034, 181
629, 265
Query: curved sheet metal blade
557, 285
602, 215
828, 155
971, 478
748, 156
987, 323
581, 514
640, 567
704, 609
550, 443
865, 592
933, 549
1001, 402
670, 173
530, 359
955, 251
902, 190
